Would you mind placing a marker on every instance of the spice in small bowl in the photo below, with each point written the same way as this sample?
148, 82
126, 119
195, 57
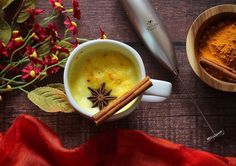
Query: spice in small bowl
210, 47
217, 50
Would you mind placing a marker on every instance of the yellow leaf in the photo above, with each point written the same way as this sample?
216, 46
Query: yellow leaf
59, 86
5, 3
50, 100
24, 11
5, 31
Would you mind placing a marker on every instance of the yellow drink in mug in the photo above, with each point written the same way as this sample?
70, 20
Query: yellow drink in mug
111, 62
117, 71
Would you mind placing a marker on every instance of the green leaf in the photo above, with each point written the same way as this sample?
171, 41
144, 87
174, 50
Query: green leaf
5, 31
66, 45
59, 86
63, 64
5, 3
50, 100
44, 48
24, 11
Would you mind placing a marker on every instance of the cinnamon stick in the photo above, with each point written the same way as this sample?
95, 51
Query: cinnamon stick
122, 101
227, 72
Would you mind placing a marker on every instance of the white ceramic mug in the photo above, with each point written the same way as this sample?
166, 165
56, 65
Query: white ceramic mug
159, 92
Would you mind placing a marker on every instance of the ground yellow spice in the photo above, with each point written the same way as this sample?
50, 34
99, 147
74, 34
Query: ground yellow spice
218, 45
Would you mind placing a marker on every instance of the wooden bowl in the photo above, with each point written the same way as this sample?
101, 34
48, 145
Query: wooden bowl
205, 19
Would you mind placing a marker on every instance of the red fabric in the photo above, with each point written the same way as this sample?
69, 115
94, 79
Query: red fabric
28, 142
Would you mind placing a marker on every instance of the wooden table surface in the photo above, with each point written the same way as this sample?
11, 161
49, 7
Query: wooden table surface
176, 119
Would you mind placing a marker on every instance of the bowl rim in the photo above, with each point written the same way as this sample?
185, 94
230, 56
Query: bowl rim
190, 43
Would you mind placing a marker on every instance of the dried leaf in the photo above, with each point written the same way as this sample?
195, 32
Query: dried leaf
66, 45
62, 64
50, 100
59, 86
44, 48
5, 3
5, 31
24, 11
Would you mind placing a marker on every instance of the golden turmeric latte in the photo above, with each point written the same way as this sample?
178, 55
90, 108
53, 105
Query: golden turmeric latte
217, 50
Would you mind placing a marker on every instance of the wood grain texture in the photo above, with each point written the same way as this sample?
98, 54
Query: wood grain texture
175, 119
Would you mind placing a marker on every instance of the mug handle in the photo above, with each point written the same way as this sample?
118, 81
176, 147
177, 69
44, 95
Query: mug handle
159, 91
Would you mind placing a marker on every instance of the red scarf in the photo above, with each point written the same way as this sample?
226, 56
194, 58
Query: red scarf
29, 142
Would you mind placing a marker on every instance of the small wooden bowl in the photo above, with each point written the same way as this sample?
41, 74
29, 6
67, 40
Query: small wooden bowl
205, 19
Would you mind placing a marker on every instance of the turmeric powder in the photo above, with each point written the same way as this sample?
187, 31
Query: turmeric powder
217, 48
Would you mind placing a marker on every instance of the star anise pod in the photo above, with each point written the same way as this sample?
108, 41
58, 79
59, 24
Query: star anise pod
100, 97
